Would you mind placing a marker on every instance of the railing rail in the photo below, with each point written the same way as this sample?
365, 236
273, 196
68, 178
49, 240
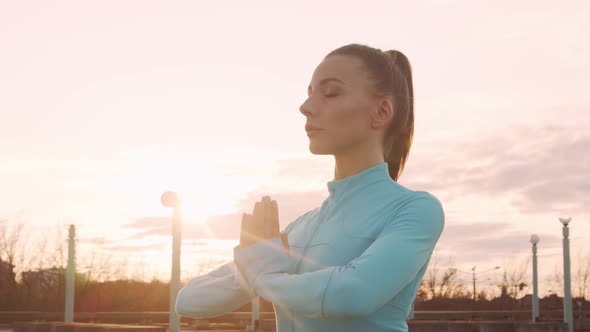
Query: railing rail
243, 318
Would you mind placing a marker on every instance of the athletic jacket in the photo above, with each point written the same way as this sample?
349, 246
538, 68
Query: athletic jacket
354, 263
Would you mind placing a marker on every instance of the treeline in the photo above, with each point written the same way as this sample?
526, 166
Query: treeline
45, 293
48, 295
27, 283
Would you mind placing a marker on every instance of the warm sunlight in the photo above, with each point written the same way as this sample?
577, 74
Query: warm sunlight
204, 187
105, 106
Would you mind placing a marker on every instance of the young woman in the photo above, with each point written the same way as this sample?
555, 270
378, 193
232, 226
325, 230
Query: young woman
355, 262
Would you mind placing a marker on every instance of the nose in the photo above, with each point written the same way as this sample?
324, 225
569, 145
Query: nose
304, 108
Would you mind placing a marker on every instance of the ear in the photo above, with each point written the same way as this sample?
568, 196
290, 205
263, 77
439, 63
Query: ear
383, 114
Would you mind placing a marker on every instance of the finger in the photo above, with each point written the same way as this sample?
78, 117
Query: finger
268, 220
250, 230
244, 239
257, 221
276, 229
242, 229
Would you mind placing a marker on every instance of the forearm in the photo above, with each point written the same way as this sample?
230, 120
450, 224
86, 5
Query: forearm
362, 286
213, 294
266, 256
224, 289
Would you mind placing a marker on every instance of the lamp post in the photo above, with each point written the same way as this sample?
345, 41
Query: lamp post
412, 315
473, 270
255, 317
534, 240
70, 275
170, 199
474, 273
567, 291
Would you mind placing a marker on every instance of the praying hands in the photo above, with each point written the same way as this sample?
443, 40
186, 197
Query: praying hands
262, 224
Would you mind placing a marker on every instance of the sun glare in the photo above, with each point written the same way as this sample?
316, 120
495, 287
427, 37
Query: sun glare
203, 184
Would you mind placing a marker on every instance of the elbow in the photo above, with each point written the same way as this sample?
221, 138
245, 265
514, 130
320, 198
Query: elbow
356, 310
349, 310
351, 302
188, 307
179, 309
181, 306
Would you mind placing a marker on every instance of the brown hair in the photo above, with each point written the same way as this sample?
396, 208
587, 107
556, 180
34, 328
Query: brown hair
392, 75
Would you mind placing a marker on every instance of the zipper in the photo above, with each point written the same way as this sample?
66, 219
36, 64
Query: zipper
315, 231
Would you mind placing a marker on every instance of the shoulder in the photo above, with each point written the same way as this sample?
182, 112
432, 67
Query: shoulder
423, 209
423, 198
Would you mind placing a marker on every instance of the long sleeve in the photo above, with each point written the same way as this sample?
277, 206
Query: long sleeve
223, 289
213, 294
366, 283
267, 256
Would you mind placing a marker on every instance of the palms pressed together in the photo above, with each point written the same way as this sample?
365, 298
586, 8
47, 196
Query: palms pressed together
262, 224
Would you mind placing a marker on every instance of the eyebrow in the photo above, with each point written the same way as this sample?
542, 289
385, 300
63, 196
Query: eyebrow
326, 80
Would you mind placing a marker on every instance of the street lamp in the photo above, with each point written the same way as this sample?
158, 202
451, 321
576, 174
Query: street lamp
70, 275
567, 291
473, 270
170, 199
534, 240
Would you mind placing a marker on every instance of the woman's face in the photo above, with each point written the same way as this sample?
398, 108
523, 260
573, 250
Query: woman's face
339, 102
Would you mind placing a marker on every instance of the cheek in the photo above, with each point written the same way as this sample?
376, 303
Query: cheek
350, 117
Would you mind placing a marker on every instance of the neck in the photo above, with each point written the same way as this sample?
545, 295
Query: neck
356, 160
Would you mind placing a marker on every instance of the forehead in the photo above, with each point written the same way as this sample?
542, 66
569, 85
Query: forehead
347, 68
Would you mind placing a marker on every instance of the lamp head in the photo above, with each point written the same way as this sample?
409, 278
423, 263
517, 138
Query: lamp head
535, 239
565, 221
170, 199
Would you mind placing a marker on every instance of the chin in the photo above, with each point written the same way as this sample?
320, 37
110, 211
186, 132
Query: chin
318, 149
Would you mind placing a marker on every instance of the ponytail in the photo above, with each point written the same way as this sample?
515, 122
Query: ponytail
399, 140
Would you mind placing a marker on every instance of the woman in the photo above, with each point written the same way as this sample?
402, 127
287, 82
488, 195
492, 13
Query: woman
355, 262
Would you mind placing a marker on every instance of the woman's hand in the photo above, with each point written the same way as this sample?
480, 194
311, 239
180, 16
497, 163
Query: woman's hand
262, 224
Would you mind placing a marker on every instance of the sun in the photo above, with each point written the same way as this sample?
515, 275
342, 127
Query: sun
205, 189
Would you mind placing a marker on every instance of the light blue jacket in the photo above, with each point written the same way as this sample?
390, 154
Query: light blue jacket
355, 262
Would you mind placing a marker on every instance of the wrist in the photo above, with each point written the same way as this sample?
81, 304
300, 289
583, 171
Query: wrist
285, 239
263, 257
243, 245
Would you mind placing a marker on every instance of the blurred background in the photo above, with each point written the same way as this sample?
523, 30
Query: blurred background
105, 105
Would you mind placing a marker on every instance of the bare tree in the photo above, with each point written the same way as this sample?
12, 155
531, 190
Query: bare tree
139, 270
514, 277
60, 256
555, 279
431, 280
10, 238
120, 269
443, 286
484, 295
98, 265
582, 275
33, 254
43, 249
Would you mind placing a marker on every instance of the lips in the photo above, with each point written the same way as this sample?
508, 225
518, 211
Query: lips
310, 128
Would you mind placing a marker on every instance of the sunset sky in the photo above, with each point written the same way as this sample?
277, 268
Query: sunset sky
105, 105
